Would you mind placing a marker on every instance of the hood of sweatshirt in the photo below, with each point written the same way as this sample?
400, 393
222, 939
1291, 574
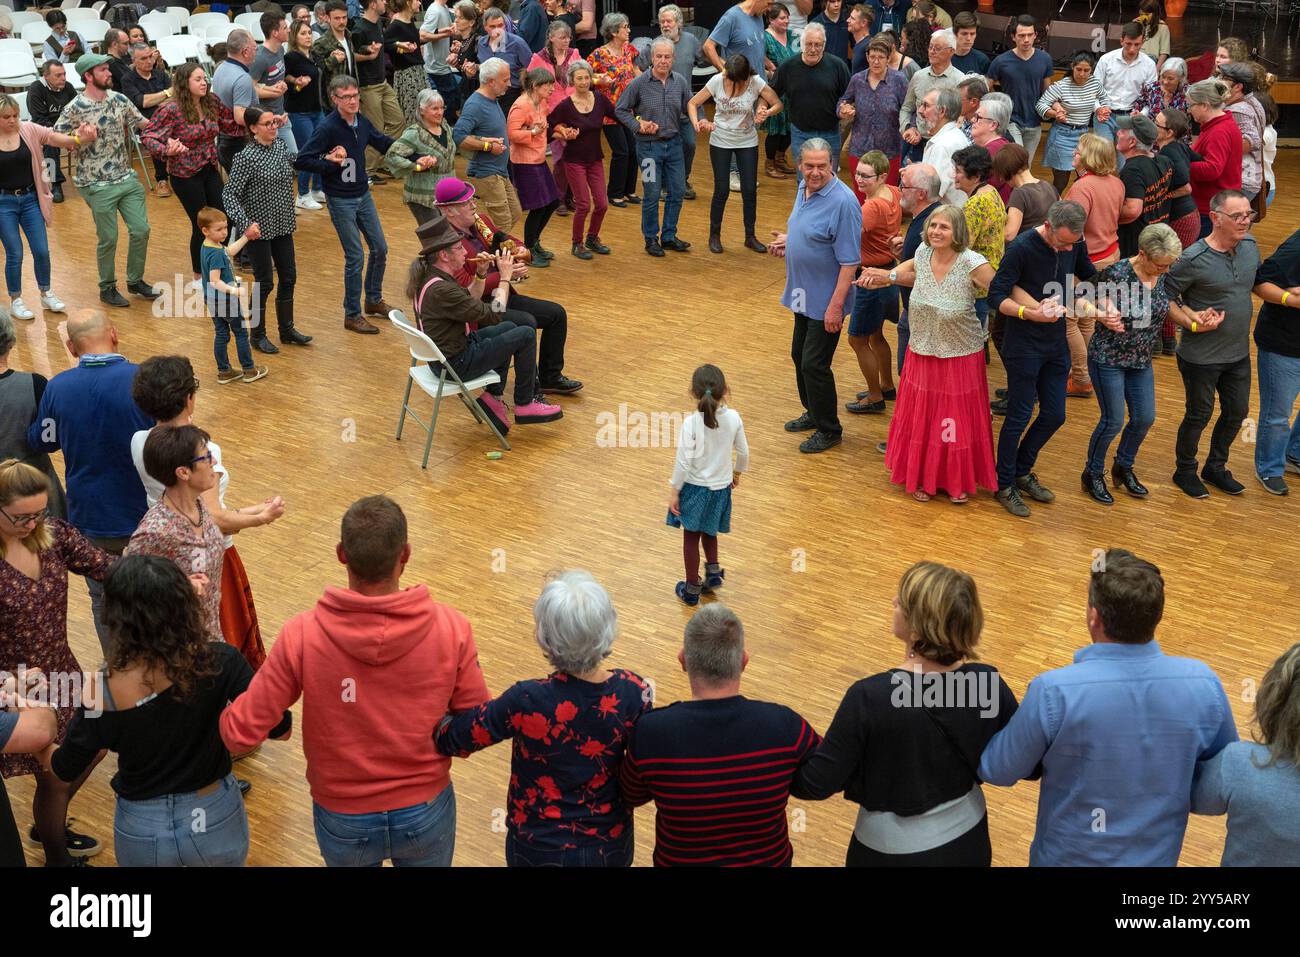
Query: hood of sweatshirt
379, 629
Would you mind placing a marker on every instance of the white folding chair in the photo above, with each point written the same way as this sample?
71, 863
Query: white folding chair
17, 45
78, 14
17, 69
21, 99
199, 22
158, 24
445, 382
7, 10
66, 5
175, 50
252, 22
99, 6
216, 32
92, 31
180, 17
35, 35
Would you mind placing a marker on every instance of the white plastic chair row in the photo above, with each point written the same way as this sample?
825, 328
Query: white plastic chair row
79, 14
23, 17
201, 22
35, 35
252, 22
159, 24
176, 50
17, 69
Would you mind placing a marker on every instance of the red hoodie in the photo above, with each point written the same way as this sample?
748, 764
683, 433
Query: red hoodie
376, 675
1220, 145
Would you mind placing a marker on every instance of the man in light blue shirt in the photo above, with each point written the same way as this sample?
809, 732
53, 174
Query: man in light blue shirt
1115, 736
821, 251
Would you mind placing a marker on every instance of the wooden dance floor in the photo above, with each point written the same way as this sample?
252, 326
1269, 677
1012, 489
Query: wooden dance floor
818, 543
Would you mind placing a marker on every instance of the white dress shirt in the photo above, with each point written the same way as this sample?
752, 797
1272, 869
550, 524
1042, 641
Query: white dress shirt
938, 153
1122, 80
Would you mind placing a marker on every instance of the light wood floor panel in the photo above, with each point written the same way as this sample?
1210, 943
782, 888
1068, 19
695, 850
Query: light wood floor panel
320, 429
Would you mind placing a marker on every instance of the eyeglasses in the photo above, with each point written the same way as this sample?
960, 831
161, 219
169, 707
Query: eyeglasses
347, 96
977, 117
1238, 217
202, 458
29, 517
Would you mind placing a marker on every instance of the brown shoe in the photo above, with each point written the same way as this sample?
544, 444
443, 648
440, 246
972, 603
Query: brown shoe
784, 165
164, 189
378, 308
359, 324
773, 171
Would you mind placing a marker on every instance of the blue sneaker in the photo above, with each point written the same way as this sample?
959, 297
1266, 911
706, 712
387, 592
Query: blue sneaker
690, 594
713, 575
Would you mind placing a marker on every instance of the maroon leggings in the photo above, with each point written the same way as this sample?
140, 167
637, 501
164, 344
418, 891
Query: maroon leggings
691, 552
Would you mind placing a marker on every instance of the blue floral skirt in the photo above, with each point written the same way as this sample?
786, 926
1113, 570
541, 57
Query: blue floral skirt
703, 510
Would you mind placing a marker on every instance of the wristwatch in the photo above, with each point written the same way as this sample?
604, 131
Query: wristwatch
893, 275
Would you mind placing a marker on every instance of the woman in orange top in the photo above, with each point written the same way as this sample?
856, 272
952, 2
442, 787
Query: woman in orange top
526, 126
1101, 194
881, 216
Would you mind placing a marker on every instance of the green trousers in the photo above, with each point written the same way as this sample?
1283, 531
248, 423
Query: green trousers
106, 201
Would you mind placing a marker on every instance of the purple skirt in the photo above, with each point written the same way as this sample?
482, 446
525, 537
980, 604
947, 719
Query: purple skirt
534, 184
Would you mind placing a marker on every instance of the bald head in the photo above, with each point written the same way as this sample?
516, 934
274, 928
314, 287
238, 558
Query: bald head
90, 332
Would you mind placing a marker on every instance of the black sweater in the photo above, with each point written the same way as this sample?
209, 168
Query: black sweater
164, 746
885, 750
45, 105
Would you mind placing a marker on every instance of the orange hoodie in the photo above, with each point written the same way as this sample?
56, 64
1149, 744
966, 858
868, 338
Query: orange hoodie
376, 675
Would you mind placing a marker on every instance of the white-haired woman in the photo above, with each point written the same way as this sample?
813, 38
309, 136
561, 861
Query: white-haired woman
564, 808
1168, 91
424, 154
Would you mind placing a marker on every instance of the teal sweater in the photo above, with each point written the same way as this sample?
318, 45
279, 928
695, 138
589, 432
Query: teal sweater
415, 142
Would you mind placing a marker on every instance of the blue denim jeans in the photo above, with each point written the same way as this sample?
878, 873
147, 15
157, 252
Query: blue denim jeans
422, 835
304, 125
798, 137
688, 147
1117, 388
1019, 442
353, 218
617, 853
661, 169
183, 830
1278, 438
228, 326
24, 212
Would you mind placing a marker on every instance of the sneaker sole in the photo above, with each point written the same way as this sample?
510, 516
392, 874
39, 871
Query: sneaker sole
261, 375
1285, 490
537, 419
1225, 491
825, 448
80, 853
553, 390
238, 378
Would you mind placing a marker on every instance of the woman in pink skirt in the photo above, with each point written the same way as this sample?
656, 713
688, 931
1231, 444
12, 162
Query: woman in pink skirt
941, 437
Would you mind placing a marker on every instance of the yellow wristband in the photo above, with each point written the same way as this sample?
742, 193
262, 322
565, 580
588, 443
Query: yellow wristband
1021, 313
1285, 297
1193, 325
485, 146
76, 139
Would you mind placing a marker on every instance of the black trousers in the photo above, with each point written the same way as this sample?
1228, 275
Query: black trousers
747, 162
491, 348
971, 849
1231, 380
775, 144
11, 845
271, 257
622, 162
552, 325
195, 192
422, 214
813, 350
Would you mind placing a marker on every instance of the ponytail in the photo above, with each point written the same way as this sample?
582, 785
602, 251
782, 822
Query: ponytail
709, 388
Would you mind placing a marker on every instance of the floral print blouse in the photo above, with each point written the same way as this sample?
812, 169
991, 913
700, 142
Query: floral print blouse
619, 67
569, 737
941, 315
875, 122
196, 551
986, 225
1152, 99
200, 138
1144, 317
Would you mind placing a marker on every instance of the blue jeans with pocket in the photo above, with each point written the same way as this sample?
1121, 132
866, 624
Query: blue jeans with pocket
616, 853
353, 218
24, 213
1117, 389
304, 125
183, 830
1278, 438
662, 169
229, 323
422, 835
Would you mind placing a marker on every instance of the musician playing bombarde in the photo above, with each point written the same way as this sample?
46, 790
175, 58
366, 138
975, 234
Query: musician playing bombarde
456, 200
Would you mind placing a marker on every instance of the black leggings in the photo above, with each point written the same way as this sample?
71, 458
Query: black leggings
195, 192
971, 849
776, 144
622, 161
265, 254
536, 221
747, 162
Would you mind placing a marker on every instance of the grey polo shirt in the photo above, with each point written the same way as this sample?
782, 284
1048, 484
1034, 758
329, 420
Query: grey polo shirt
1204, 278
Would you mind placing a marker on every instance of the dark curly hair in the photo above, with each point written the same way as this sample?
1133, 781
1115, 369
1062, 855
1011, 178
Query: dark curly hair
917, 33
974, 161
163, 385
153, 618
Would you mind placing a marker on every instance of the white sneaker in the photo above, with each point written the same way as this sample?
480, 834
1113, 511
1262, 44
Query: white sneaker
52, 303
318, 195
18, 309
735, 181
306, 202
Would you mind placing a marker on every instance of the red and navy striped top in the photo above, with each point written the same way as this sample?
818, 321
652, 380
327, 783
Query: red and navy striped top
719, 772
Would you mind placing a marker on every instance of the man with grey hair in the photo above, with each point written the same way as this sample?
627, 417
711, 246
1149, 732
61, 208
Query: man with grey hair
232, 84
686, 53
941, 109
812, 84
744, 755
654, 107
822, 253
1032, 290
916, 129
481, 132
320, 22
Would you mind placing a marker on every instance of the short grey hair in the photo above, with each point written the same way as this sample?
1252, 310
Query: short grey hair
8, 338
493, 13
926, 177
577, 66
662, 42
319, 8
714, 646
1066, 214
1209, 93
467, 10
428, 98
816, 145
949, 100
673, 11
998, 107
947, 37
135, 48
239, 41
576, 622
612, 23
1175, 64
1160, 240
814, 28
491, 68
1220, 199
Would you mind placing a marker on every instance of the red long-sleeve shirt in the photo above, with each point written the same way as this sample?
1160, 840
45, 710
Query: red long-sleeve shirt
1220, 146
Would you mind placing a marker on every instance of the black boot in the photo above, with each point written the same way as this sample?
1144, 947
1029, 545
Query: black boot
1094, 483
284, 317
1124, 478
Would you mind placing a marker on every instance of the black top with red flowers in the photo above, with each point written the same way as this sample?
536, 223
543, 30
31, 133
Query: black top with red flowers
569, 737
